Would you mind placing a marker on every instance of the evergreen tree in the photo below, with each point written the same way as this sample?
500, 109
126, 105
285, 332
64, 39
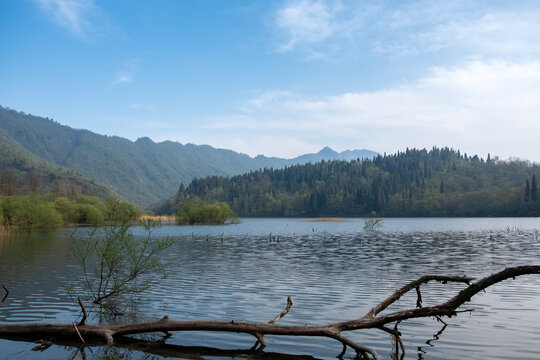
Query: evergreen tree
405, 184
534, 189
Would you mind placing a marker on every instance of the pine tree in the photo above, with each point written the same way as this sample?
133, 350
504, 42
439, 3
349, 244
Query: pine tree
527, 190
534, 189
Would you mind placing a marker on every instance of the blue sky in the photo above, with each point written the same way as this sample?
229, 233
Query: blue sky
282, 78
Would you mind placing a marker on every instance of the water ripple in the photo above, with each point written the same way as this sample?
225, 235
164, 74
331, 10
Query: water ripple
332, 271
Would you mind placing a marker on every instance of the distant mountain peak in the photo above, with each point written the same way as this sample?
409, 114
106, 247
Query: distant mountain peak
327, 151
144, 139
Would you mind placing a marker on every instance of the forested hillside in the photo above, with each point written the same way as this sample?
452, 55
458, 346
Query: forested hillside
23, 173
142, 172
439, 182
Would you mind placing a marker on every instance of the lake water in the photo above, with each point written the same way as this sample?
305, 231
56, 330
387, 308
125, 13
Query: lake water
332, 270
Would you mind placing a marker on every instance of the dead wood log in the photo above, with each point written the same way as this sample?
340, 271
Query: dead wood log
372, 320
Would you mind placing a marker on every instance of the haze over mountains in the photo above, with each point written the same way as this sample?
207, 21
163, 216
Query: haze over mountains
143, 172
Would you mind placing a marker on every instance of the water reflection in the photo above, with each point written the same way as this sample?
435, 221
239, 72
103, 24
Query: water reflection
332, 271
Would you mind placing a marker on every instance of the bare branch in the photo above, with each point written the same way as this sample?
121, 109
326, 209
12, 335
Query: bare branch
78, 332
419, 297
441, 320
360, 349
283, 313
83, 320
412, 285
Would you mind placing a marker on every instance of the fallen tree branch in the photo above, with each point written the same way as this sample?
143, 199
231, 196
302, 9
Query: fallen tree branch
371, 320
283, 313
260, 339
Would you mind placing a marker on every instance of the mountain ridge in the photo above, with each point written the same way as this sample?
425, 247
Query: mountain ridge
141, 171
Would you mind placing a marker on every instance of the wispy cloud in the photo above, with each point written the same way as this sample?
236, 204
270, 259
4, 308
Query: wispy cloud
74, 15
483, 27
490, 32
306, 22
126, 73
478, 107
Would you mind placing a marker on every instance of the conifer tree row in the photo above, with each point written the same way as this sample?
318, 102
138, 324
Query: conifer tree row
438, 182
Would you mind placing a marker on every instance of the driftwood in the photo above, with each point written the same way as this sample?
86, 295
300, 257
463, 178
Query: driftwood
112, 334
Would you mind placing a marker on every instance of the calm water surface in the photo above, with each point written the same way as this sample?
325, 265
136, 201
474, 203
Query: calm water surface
332, 270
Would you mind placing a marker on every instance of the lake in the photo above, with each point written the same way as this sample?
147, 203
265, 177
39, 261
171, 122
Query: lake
333, 271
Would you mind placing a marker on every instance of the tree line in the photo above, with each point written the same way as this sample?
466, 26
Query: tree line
416, 182
47, 211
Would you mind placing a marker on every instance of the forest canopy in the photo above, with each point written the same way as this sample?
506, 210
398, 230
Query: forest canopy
438, 182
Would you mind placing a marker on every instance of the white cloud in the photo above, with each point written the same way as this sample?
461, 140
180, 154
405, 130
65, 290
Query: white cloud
74, 15
306, 21
497, 32
478, 107
323, 27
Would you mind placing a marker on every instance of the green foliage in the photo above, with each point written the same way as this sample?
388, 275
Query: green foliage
83, 210
45, 212
372, 222
88, 214
439, 182
34, 212
196, 213
7, 204
119, 211
116, 263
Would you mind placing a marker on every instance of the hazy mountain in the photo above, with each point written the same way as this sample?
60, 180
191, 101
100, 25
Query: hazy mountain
329, 154
142, 171
326, 154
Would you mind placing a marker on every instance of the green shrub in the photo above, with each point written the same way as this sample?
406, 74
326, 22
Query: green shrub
88, 214
195, 213
34, 212
64, 206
